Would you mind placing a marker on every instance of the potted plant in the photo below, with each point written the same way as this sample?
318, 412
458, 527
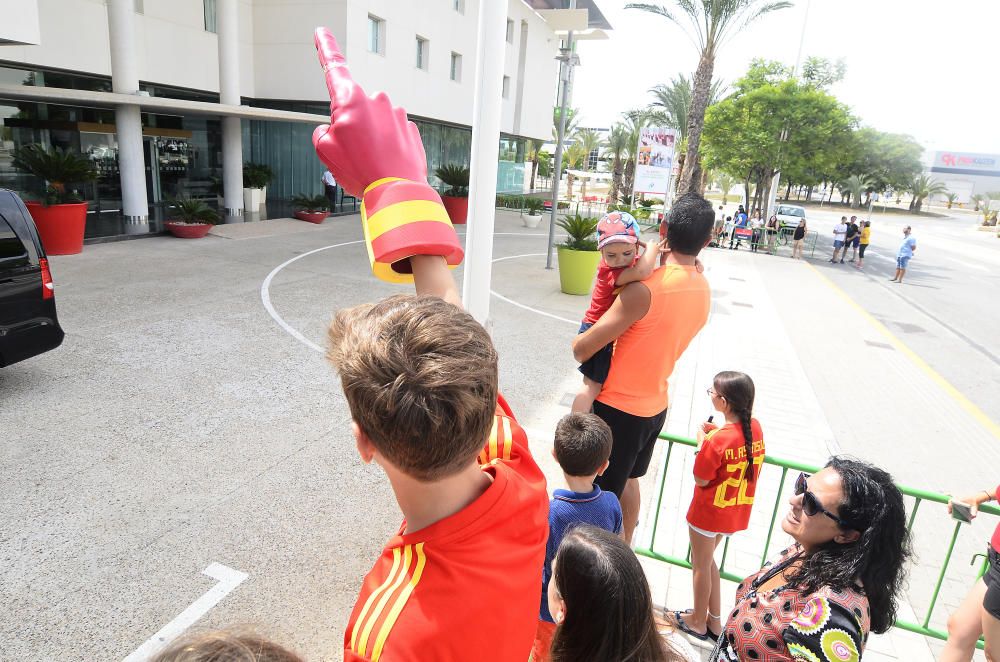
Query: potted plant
311, 208
192, 218
256, 177
456, 196
61, 215
532, 215
578, 256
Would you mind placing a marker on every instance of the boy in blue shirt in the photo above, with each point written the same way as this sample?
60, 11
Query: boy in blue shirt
582, 447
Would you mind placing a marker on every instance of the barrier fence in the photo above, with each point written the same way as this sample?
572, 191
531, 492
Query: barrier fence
919, 496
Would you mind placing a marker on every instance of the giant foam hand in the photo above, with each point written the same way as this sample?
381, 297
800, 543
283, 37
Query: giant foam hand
376, 154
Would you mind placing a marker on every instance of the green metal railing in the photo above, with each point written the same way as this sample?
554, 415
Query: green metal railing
919, 496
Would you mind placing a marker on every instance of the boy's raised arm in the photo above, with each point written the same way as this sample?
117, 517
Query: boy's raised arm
375, 153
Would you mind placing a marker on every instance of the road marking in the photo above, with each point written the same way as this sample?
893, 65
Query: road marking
228, 579
945, 385
265, 288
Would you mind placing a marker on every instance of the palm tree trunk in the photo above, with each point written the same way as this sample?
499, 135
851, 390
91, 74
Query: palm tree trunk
691, 177
681, 158
534, 171
629, 179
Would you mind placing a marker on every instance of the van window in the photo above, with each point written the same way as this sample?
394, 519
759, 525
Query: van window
12, 251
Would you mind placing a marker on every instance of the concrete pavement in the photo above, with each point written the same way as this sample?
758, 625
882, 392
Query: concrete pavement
185, 423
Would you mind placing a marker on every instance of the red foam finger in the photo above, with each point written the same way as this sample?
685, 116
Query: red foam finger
338, 77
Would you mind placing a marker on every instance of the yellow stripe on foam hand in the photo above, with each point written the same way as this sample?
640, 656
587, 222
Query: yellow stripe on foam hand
401, 213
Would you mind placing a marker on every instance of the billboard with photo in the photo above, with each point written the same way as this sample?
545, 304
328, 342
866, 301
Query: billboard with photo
655, 160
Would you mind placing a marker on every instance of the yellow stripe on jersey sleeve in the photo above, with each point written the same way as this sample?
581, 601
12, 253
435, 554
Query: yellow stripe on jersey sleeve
390, 620
362, 647
358, 624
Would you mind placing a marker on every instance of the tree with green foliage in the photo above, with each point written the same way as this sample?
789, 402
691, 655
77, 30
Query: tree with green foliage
574, 157
590, 140
707, 23
854, 187
772, 124
822, 73
922, 188
572, 119
615, 150
725, 182
670, 106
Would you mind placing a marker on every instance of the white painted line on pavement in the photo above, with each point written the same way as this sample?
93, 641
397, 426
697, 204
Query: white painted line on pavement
228, 579
265, 288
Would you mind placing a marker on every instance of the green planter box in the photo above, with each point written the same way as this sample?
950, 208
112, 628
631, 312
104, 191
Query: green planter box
577, 270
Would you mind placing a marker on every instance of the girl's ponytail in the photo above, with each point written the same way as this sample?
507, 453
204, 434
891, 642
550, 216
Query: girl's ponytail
747, 442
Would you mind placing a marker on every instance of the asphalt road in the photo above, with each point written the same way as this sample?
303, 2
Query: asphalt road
947, 308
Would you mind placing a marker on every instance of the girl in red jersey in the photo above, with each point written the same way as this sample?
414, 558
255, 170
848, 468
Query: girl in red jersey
725, 475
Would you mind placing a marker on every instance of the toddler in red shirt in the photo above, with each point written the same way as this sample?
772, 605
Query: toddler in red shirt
618, 241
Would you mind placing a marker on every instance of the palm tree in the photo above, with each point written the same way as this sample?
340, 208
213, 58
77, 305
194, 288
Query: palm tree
670, 106
855, 186
532, 153
712, 22
634, 121
726, 183
951, 198
572, 119
591, 140
615, 150
573, 159
924, 187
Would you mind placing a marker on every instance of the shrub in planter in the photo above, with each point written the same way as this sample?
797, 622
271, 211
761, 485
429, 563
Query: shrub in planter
578, 255
311, 208
456, 196
532, 212
190, 218
256, 177
61, 213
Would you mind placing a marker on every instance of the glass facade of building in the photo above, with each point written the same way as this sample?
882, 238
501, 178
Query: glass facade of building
183, 154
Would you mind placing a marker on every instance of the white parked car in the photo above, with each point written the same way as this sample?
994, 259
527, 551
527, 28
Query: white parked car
790, 215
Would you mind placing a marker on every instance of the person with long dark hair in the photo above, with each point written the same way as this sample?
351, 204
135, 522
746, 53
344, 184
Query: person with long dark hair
840, 580
725, 474
600, 600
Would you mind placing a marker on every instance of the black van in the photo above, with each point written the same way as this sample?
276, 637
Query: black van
28, 323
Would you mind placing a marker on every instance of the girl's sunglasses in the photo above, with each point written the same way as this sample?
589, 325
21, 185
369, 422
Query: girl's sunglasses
810, 504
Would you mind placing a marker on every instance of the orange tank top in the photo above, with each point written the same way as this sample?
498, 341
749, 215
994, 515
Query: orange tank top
645, 354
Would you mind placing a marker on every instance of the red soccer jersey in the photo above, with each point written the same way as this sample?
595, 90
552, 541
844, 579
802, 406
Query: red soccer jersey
442, 593
723, 506
604, 291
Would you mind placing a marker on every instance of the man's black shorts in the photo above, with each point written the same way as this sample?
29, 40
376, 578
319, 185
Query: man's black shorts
634, 438
991, 602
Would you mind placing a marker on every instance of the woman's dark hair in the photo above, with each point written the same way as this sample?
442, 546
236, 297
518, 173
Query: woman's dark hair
873, 506
738, 390
609, 611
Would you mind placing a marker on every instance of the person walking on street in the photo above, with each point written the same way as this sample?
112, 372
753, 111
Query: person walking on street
904, 254
839, 234
863, 241
797, 238
853, 236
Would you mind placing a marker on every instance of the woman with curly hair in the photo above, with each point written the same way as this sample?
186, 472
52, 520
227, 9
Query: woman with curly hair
818, 601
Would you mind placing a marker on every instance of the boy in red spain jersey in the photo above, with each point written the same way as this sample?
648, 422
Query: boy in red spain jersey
460, 579
726, 468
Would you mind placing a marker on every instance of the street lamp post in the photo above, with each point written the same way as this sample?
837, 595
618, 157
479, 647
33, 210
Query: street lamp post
567, 60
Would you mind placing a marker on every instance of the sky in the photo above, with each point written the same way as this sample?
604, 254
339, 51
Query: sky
924, 68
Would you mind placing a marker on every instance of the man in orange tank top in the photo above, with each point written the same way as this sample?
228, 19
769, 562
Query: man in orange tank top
651, 323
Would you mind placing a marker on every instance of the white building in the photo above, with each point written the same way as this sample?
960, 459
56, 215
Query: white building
967, 174
169, 97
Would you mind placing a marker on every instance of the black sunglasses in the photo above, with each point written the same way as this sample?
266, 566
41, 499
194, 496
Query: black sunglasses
811, 505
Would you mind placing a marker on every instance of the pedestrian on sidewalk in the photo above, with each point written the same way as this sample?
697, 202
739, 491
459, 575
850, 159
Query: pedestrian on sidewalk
852, 239
773, 226
904, 254
979, 613
726, 468
863, 241
839, 234
739, 221
330, 189
840, 580
756, 225
797, 238
671, 306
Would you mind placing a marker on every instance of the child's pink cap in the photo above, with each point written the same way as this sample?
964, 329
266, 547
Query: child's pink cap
616, 227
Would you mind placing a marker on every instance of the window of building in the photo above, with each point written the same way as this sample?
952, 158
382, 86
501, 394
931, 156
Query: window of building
456, 67
506, 87
376, 35
459, 6
211, 25
510, 31
423, 52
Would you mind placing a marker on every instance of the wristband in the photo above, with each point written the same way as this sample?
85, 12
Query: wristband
402, 218
989, 496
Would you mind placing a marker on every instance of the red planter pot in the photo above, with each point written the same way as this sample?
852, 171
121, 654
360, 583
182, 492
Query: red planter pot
187, 231
60, 226
457, 208
312, 216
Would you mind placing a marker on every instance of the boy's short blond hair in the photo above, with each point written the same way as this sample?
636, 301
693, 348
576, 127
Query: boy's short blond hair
420, 377
226, 646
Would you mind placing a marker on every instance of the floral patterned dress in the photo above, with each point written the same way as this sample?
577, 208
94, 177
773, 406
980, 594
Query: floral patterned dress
783, 625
